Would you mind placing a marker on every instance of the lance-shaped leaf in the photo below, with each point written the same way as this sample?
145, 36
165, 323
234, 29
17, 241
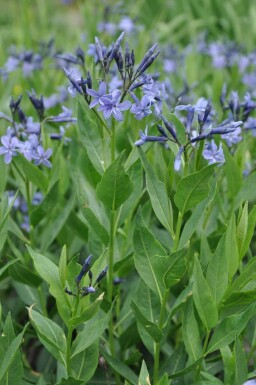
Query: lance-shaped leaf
249, 232
180, 129
217, 271
177, 268
151, 260
161, 204
193, 189
14, 373
90, 136
49, 272
240, 363
203, 298
247, 274
87, 313
50, 334
231, 249
84, 364
90, 333
121, 368
190, 333
151, 328
32, 172
11, 354
115, 186
226, 331
144, 375
196, 215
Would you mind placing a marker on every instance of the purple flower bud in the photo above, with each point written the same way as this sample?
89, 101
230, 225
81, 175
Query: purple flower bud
101, 275
85, 268
87, 290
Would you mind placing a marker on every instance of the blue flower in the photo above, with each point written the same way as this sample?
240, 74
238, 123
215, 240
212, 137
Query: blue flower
41, 156
97, 95
110, 105
9, 148
142, 108
213, 154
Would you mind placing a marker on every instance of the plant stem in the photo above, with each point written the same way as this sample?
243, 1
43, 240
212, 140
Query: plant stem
113, 141
157, 345
68, 355
177, 233
110, 275
203, 352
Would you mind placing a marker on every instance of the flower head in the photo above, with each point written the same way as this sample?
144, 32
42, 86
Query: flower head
213, 154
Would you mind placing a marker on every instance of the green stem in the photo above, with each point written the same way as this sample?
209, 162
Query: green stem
110, 275
69, 338
68, 355
203, 352
113, 141
177, 233
157, 345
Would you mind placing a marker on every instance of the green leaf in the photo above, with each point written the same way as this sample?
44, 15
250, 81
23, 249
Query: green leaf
231, 249
50, 334
92, 330
115, 186
228, 363
121, 368
190, 333
240, 363
144, 375
161, 204
249, 233
90, 137
7, 265
177, 268
87, 313
63, 267
233, 174
45, 206
182, 299
151, 328
164, 380
217, 271
203, 299
56, 222
21, 273
49, 272
226, 330
241, 229
186, 370
151, 260
247, 274
196, 215
247, 191
180, 129
193, 189
84, 364
14, 373
32, 172
95, 225
11, 354
175, 362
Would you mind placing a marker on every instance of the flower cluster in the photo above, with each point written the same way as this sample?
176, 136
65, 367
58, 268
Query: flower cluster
23, 135
91, 288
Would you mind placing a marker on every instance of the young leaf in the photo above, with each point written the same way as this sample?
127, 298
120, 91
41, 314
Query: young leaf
160, 201
226, 331
50, 273
231, 249
87, 313
115, 186
90, 333
14, 373
180, 129
11, 354
63, 266
50, 334
193, 189
203, 299
249, 233
144, 375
